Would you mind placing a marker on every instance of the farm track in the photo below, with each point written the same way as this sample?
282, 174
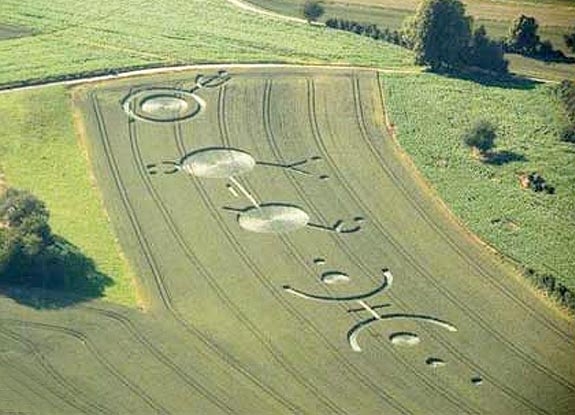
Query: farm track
399, 185
86, 342
284, 303
220, 292
437, 228
426, 380
409, 259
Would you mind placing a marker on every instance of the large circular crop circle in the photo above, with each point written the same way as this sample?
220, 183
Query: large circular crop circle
162, 105
273, 219
218, 163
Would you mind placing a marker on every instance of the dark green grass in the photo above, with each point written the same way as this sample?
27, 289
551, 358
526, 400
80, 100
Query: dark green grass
431, 113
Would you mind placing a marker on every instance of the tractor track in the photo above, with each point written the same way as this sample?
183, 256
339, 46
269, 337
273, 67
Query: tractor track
458, 403
410, 260
445, 236
85, 341
219, 291
472, 314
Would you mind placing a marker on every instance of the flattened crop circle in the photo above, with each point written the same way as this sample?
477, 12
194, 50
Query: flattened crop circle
162, 105
218, 163
273, 219
404, 339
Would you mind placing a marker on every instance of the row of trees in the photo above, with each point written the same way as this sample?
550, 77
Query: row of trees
442, 37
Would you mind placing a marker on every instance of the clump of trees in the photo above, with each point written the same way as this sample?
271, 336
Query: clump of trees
481, 136
524, 40
441, 36
565, 91
552, 287
312, 10
30, 254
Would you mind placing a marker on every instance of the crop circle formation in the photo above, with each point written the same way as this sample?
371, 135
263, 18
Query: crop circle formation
218, 163
162, 105
273, 219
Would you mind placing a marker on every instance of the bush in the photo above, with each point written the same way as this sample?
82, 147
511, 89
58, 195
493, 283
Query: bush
523, 37
312, 10
570, 40
552, 287
481, 136
565, 92
485, 53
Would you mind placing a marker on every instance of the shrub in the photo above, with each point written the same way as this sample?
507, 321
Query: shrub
312, 10
485, 53
481, 136
570, 40
523, 37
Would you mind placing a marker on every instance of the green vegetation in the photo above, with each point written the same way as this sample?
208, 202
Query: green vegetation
312, 10
481, 136
432, 113
40, 152
555, 20
570, 40
441, 33
32, 257
565, 91
106, 35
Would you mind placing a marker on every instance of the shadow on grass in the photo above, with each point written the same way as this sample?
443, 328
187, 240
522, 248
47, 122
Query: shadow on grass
69, 278
506, 81
500, 158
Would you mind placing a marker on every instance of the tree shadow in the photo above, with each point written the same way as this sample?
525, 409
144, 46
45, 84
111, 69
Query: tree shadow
485, 78
69, 278
500, 158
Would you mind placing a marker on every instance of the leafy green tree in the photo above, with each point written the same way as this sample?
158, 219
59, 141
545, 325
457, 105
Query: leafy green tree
312, 10
570, 40
441, 33
485, 53
523, 37
481, 136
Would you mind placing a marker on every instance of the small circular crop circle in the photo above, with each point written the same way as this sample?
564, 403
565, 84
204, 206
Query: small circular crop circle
162, 105
218, 163
273, 219
404, 339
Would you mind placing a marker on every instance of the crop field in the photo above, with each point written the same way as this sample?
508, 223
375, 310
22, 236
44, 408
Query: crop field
292, 264
555, 19
431, 117
107, 35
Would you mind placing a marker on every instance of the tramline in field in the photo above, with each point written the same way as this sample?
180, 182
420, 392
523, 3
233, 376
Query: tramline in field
266, 230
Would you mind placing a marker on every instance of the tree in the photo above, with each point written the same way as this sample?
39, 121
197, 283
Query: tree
312, 10
570, 40
441, 33
523, 37
481, 136
485, 53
